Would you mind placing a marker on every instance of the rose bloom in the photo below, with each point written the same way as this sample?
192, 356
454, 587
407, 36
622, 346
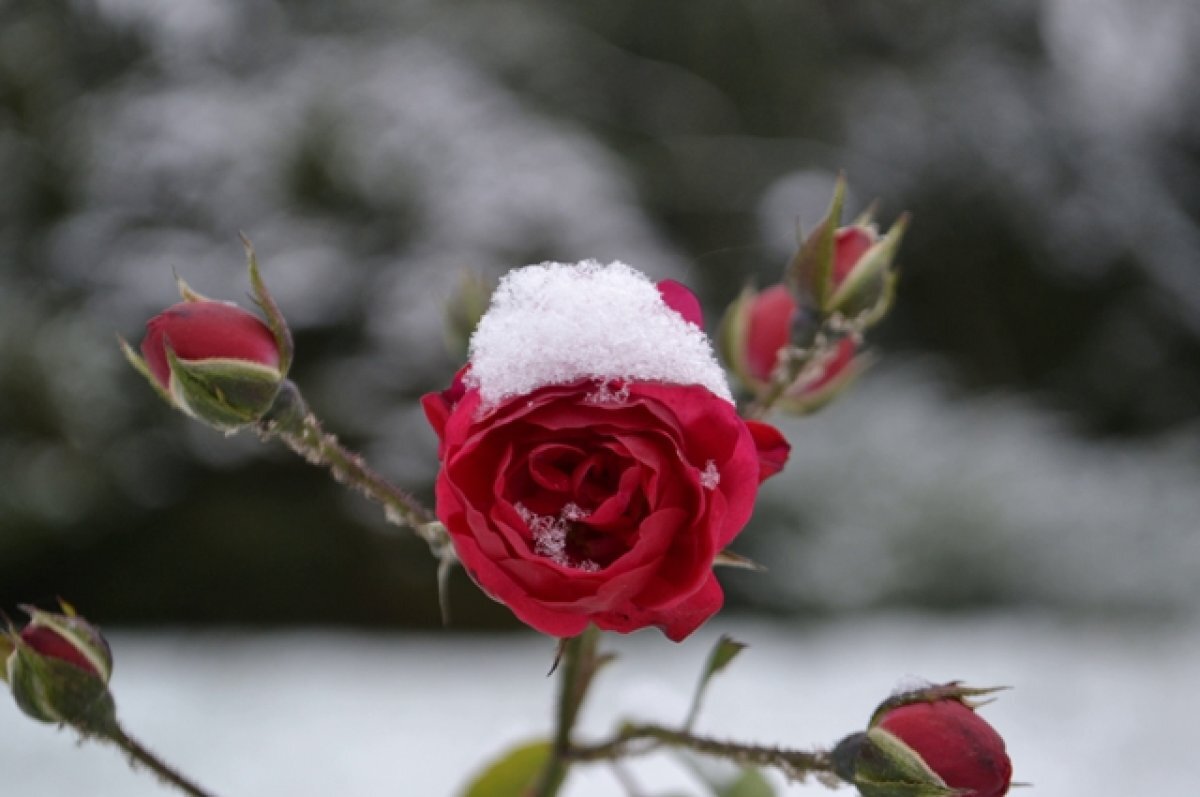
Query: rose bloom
598, 501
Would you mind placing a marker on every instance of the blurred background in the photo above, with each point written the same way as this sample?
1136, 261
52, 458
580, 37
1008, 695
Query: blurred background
1028, 445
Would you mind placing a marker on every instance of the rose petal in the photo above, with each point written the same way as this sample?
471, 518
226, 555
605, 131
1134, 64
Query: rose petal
677, 621
773, 448
680, 298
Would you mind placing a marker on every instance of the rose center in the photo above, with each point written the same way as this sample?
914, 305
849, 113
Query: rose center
582, 508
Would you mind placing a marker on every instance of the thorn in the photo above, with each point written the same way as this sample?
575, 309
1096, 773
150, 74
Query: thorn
558, 654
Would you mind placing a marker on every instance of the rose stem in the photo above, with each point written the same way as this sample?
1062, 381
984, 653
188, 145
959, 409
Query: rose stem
292, 421
140, 755
577, 666
793, 763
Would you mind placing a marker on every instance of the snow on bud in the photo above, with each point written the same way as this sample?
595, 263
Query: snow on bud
927, 743
58, 668
215, 361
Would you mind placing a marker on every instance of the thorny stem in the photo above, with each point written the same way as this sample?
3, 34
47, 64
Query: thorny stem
577, 665
631, 741
167, 774
293, 422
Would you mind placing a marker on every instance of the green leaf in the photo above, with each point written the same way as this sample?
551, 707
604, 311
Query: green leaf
722, 778
513, 774
750, 783
725, 651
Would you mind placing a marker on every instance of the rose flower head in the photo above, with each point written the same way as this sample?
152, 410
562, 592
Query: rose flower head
928, 742
57, 668
215, 361
593, 464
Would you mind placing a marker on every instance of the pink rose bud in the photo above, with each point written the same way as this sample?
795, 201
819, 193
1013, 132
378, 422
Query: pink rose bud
927, 742
758, 331
58, 669
200, 331
215, 361
847, 270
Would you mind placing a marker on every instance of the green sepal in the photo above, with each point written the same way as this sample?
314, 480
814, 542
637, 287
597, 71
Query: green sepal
82, 635
863, 288
731, 338
7, 648
223, 392
809, 275
728, 558
189, 294
514, 773
275, 320
797, 401
51, 690
142, 368
954, 690
887, 767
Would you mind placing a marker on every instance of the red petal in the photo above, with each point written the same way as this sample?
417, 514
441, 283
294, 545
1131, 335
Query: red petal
205, 331
773, 448
768, 330
849, 245
439, 405
956, 743
677, 622
52, 645
680, 298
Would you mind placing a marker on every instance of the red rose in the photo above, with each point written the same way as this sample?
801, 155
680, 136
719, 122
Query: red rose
599, 501
956, 743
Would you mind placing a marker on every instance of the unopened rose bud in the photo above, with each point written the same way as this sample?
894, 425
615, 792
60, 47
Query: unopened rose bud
58, 669
927, 743
215, 361
767, 331
847, 270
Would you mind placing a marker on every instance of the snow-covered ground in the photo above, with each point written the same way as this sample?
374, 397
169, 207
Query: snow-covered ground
1097, 709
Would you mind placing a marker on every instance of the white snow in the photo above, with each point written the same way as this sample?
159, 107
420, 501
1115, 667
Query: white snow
549, 534
710, 477
318, 713
556, 323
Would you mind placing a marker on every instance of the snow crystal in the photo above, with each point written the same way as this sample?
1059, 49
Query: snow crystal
605, 394
550, 534
556, 323
710, 477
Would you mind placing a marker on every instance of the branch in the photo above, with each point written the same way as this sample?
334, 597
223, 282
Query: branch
632, 741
